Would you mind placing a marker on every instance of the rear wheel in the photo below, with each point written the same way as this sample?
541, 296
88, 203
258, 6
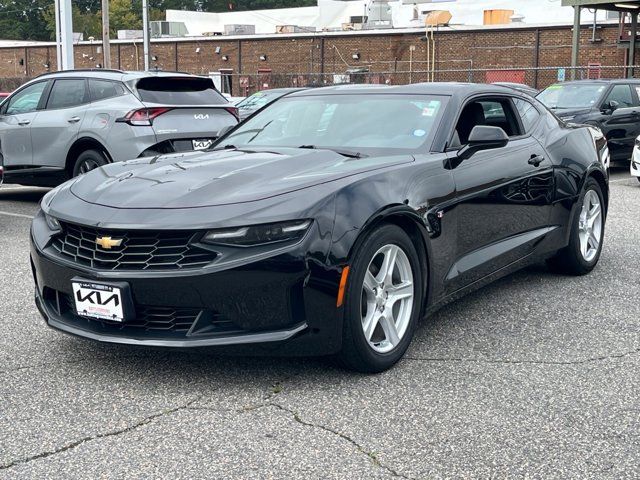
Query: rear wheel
382, 302
587, 234
89, 160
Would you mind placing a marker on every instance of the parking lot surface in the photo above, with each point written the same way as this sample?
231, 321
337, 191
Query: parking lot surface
535, 376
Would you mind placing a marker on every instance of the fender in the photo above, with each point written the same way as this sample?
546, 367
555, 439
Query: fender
408, 219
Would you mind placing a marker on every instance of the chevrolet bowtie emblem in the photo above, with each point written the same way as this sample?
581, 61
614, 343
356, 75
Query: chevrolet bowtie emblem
108, 243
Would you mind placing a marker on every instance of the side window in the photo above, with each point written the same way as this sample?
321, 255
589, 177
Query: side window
622, 95
27, 100
491, 112
67, 93
101, 89
528, 113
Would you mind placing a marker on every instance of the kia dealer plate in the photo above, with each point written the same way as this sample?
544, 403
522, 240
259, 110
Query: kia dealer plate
202, 144
94, 300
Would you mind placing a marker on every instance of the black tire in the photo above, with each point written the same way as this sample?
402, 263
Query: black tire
357, 354
638, 178
89, 160
570, 260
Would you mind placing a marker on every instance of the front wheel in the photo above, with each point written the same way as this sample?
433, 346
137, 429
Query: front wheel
587, 234
383, 301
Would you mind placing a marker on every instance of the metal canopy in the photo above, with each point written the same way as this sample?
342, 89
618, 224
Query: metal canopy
616, 6
624, 6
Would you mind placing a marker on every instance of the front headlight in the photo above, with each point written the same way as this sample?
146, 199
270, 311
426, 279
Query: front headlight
52, 223
258, 234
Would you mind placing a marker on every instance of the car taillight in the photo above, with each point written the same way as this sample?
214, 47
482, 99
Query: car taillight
233, 111
143, 116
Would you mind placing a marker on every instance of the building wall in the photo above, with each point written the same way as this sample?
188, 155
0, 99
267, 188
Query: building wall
457, 54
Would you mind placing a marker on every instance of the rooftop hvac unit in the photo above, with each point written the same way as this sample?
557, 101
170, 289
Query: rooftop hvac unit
497, 17
294, 29
239, 29
129, 34
435, 18
168, 29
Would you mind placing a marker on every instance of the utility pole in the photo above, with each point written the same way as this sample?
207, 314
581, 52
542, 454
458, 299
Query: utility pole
106, 49
145, 33
66, 35
58, 49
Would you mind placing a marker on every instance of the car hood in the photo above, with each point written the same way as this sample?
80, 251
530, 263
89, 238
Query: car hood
202, 179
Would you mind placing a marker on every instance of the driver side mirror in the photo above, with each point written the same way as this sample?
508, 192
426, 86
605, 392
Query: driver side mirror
483, 137
610, 106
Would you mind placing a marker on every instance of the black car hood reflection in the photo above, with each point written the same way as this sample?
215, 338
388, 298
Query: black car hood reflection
219, 177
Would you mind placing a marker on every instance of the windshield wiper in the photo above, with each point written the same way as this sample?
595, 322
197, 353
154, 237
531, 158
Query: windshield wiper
344, 153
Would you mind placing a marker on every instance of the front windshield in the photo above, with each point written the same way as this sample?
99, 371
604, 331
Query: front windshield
566, 96
351, 121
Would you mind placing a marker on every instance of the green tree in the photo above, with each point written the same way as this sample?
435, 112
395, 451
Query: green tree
84, 21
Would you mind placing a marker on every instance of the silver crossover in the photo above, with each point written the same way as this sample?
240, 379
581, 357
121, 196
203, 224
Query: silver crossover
63, 124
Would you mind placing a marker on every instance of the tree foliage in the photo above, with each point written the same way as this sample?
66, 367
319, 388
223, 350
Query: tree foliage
35, 19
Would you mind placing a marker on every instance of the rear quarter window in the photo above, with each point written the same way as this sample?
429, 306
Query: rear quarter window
179, 91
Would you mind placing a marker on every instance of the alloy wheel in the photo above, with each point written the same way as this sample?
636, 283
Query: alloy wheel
590, 226
387, 298
88, 165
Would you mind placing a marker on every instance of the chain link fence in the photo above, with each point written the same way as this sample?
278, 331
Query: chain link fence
539, 78
244, 84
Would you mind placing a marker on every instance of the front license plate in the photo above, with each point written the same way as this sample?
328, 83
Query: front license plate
94, 300
202, 144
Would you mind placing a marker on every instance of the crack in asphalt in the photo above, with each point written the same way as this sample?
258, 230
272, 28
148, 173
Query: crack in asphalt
113, 433
371, 455
518, 362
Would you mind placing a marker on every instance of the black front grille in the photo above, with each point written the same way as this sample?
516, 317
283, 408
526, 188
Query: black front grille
139, 250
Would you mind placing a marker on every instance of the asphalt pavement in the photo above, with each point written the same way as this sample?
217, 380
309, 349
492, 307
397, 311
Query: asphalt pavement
535, 376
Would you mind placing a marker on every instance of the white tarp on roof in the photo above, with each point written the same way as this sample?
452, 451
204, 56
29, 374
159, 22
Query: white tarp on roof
333, 13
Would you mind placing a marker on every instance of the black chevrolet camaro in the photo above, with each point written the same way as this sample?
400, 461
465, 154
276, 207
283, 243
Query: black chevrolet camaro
329, 223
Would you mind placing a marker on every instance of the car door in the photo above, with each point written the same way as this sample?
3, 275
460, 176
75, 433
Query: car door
621, 123
503, 194
17, 115
56, 127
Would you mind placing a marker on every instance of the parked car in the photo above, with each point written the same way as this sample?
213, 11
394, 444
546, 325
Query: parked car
255, 102
520, 87
66, 123
318, 226
611, 105
635, 160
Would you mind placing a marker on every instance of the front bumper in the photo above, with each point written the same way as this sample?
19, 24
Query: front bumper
283, 305
635, 162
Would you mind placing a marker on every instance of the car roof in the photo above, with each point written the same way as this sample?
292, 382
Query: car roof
605, 81
432, 88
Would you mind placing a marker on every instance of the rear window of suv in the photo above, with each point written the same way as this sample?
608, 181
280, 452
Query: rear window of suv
179, 91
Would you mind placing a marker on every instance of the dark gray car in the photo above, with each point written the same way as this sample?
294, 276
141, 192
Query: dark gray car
63, 124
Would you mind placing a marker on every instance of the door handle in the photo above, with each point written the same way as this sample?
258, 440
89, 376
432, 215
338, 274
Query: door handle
74, 120
536, 160
24, 122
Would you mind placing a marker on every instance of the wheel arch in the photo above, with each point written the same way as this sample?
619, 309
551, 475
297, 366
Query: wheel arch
412, 224
83, 144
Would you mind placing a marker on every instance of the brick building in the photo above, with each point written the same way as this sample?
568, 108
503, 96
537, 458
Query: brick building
523, 53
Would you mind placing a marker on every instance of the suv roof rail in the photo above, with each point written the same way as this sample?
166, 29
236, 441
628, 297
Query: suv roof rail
110, 70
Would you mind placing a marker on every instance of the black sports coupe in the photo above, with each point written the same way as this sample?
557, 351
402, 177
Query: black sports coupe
329, 223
